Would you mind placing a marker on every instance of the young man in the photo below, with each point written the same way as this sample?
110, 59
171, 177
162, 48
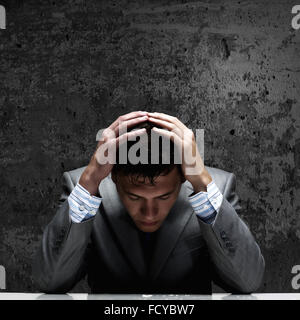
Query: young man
148, 228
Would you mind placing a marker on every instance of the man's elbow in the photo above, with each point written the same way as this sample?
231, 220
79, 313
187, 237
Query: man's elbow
49, 287
46, 282
253, 282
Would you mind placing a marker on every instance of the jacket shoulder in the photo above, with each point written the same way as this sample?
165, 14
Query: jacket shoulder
219, 176
218, 172
75, 174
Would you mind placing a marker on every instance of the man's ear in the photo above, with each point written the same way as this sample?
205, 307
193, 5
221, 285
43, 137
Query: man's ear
114, 177
182, 178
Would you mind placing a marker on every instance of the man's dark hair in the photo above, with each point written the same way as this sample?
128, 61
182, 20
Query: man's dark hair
142, 172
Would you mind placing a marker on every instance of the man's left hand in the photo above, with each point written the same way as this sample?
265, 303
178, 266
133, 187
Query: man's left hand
192, 164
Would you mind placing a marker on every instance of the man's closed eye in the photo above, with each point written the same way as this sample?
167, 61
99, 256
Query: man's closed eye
136, 198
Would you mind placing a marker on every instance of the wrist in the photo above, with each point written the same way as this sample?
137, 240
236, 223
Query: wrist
201, 182
91, 179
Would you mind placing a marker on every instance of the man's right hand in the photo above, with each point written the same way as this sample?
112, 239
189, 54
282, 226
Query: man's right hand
97, 169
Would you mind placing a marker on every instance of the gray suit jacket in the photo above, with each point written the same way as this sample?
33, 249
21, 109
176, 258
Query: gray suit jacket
189, 253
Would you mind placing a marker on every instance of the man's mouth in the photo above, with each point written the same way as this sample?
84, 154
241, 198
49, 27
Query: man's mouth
149, 223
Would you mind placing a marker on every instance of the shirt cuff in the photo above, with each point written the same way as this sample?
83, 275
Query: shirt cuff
83, 205
206, 205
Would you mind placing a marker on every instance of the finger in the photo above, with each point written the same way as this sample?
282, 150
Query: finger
166, 117
169, 134
167, 125
109, 134
129, 136
123, 126
128, 116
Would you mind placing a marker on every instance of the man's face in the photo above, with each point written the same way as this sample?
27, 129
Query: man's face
147, 204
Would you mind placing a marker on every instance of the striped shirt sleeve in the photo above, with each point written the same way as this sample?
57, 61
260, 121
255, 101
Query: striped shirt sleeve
206, 205
82, 204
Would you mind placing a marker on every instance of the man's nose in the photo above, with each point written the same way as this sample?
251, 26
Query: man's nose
150, 210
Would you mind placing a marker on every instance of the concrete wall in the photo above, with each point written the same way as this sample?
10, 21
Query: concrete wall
70, 67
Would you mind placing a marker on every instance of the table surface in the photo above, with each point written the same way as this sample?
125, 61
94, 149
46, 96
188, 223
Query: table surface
85, 296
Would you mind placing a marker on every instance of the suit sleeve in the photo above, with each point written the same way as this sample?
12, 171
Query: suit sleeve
59, 262
236, 257
206, 205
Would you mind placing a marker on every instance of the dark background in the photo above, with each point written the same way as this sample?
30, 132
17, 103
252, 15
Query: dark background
68, 68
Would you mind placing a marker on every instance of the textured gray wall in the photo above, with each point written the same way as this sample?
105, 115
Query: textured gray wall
70, 67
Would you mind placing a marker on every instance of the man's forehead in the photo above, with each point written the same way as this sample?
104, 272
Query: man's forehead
140, 182
162, 182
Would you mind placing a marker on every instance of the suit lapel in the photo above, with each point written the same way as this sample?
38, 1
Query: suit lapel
122, 225
127, 233
170, 231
